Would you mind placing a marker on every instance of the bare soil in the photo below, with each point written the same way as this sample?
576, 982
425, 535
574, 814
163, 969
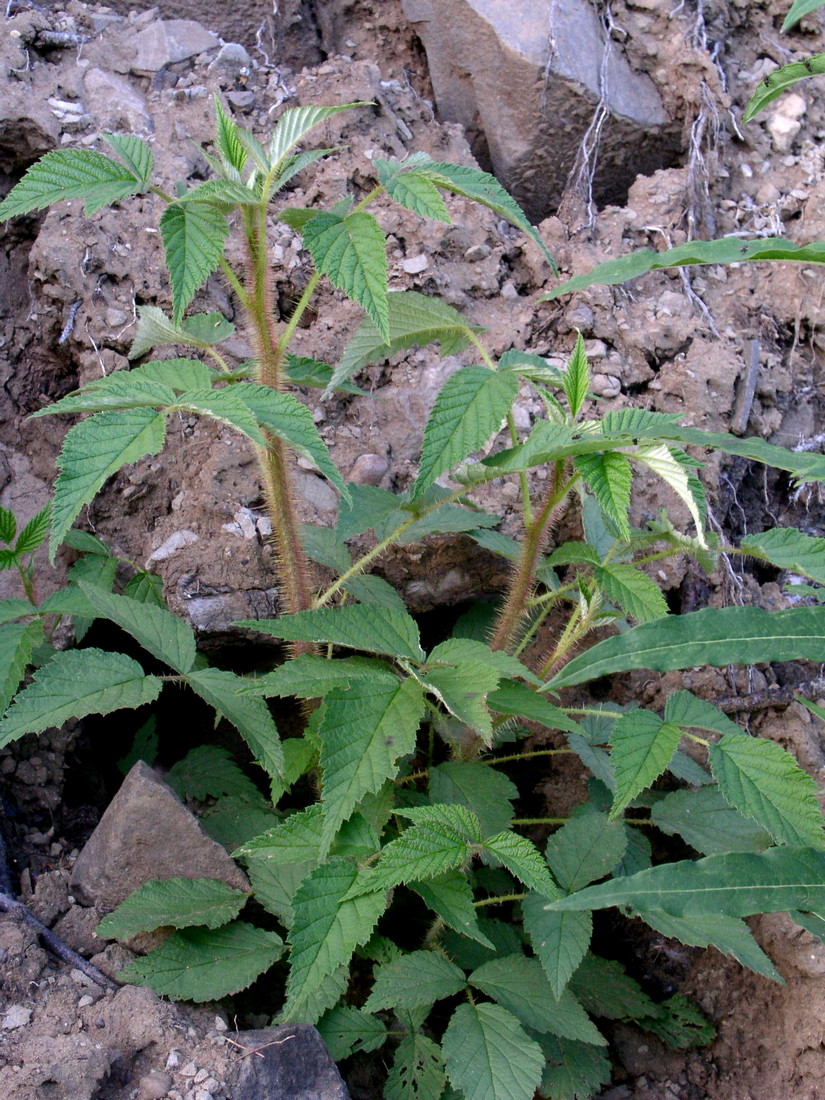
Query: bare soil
68, 290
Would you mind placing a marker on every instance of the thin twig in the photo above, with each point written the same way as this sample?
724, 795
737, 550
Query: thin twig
770, 697
56, 945
747, 392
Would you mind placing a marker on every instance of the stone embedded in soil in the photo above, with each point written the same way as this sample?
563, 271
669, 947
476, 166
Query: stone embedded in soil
147, 833
523, 78
169, 40
16, 1016
295, 1065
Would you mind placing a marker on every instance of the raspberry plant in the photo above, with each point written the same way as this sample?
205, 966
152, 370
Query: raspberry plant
403, 861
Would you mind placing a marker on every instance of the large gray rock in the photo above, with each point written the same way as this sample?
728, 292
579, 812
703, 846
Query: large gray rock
147, 833
169, 40
290, 1062
523, 78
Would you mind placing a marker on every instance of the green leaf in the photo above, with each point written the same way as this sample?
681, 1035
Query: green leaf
323, 545
413, 318
560, 940
294, 840
120, 391
726, 250
295, 122
14, 608
684, 709
489, 1056
73, 684
463, 690
8, 525
154, 329
734, 885
439, 840
713, 636
641, 747
373, 629
798, 10
708, 823
34, 532
605, 990
351, 251
364, 731
232, 820
202, 964
71, 174
225, 405
417, 1071
763, 781
521, 986
372, 589
520, 701
774, 84
450, 896
586, 848
144, 747
250, 716
406, 187
609, 476
811, 922
303, 371
634, 591
135, 153
576, 378
17, 642
485, 791
209, 772
455, 650
347, 1030
310, 677
730, 935
227, 142
521, 859
416, 980
147, 588
448, 519
193, 238
176, 903
326, 929
161, 633
788, 548
286, 417
573, 1071
680, 1024
94, 450
483, 188
468, 410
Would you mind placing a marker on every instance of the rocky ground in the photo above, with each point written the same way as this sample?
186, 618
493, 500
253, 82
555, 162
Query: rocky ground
68, 290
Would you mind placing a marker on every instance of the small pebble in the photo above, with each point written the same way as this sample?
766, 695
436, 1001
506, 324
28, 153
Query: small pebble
174, 1059
85, 1001
221, 1024
368, 469
189, 1070
605, 385
201, 1076
154, 1085
16, 1016
414, 265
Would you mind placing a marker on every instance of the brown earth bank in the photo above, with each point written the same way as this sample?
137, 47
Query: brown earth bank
69, 287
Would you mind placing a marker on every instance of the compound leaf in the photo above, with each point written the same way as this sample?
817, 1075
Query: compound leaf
373, 629
295, 122
520, 985
201, 964
560, 940
365, 729
201, 330
135, 153
351, 252
176, 903
641, 747
440, 839
193, 236
685, 709
310, 676
118, 391
713, 636
14, 608
463, 690
34, 532
414, 191
489, 1056
250, 716
73, 684
416, 980
161, 633
734, 885
605, 990
764, 782
468, 410
521, 859
8, 525
94, 450
413, 318
576, 378
71, 174
227, 142
326, 929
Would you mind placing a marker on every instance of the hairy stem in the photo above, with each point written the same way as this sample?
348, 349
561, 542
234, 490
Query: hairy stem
523, 579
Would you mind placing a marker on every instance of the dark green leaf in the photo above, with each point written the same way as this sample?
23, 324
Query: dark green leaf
34, 532
209, 772
351, 251
730, 935
707, 822
416, 980
573, 1071
193, 238
161, 633
560, 940
175, 903
641, 747
489, 1056
586, 848
374, 629
250, 716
